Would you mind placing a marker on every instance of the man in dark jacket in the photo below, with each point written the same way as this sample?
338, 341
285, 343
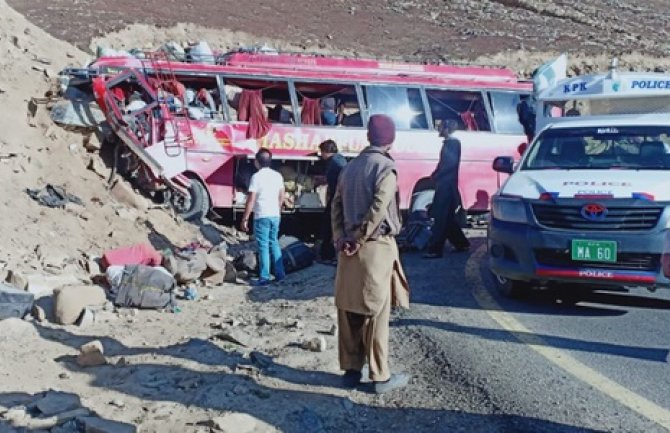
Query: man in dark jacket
335, 162
447, 197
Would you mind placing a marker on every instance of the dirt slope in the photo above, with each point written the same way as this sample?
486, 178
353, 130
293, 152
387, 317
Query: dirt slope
34, 152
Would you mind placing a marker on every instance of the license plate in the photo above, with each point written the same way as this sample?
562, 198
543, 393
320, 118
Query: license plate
594, 251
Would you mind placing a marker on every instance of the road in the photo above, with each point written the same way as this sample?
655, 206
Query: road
534, 365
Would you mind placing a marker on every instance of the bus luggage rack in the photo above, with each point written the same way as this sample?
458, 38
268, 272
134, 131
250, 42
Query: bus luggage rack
625, 261
617, 218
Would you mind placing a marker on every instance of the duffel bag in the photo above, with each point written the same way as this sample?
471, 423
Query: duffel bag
297, 256
145, 287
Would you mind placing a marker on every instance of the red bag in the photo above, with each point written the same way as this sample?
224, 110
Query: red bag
140, 254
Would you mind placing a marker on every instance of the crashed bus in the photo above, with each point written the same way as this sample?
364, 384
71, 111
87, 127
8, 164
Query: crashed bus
189, 129
589, 203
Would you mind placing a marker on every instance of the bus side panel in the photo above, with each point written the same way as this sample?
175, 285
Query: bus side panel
221, 185
477, 180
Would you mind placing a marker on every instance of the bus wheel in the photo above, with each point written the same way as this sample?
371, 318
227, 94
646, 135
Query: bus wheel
195, 206
511, 288
422, 200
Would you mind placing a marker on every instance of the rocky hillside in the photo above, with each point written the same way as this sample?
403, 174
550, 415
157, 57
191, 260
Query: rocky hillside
457, 30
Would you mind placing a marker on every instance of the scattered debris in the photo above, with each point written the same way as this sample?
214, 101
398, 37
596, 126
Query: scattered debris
53, 196
235, 336
317, 344
296, 324
91, 354
117, 403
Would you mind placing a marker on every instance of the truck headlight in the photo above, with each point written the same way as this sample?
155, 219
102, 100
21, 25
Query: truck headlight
510, 209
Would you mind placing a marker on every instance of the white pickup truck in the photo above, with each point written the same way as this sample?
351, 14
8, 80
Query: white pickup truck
589, 202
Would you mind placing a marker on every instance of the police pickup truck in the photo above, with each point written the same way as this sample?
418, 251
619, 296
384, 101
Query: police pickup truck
589, 202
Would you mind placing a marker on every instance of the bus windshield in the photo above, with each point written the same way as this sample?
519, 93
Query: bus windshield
615, 147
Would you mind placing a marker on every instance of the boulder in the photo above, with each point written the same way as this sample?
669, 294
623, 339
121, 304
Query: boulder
45, 285
17, 280
92, 143
317, 344
70, 302
91, 354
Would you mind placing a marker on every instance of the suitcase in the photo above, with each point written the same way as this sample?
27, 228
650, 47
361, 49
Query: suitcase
14, 302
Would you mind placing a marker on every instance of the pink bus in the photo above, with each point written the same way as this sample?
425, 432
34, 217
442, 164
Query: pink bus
189, 129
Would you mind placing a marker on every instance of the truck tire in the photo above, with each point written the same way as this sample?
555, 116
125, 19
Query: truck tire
195, 207
512, 289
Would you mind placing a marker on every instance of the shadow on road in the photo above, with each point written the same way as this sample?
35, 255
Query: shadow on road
644, 353
282, 405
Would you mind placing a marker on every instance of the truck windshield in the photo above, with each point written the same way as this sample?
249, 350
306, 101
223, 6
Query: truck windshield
611, 147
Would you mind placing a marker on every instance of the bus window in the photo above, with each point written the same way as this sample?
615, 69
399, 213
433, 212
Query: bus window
202, 97
505, 115
404, 105
275, 96
328, 104
466, 108
277, 99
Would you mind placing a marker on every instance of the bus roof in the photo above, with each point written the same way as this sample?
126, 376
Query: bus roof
614, 85
321, 68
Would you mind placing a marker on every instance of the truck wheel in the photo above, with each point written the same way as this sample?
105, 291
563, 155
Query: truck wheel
511, 288
194, 207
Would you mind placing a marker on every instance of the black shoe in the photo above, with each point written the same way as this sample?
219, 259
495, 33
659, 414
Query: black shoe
351, 378
397, 380
432, 256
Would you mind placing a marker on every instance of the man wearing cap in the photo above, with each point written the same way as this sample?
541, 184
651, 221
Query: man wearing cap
370, 278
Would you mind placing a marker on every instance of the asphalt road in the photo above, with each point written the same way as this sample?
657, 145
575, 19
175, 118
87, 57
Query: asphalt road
539, 365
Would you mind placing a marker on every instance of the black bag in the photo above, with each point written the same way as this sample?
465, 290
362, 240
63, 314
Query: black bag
415, 234
144, 287
297, 256
246, 261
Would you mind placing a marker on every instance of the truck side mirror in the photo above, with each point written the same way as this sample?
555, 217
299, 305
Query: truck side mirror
504, 164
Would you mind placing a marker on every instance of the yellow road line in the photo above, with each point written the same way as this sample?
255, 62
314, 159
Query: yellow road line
561, 359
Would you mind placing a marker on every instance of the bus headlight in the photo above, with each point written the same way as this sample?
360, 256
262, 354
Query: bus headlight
509, 209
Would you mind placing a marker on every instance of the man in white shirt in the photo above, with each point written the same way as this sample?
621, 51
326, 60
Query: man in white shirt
266, 196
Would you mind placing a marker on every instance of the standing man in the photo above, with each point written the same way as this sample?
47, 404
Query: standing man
335, 162
266, 196
369, 277
447, 198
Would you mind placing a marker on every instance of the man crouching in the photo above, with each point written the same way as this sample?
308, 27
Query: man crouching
370, 278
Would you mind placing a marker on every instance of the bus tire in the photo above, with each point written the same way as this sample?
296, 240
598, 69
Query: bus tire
512, 289
195, 207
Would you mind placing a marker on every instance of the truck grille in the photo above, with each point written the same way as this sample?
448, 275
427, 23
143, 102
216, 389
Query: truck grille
625, 261
617, 218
